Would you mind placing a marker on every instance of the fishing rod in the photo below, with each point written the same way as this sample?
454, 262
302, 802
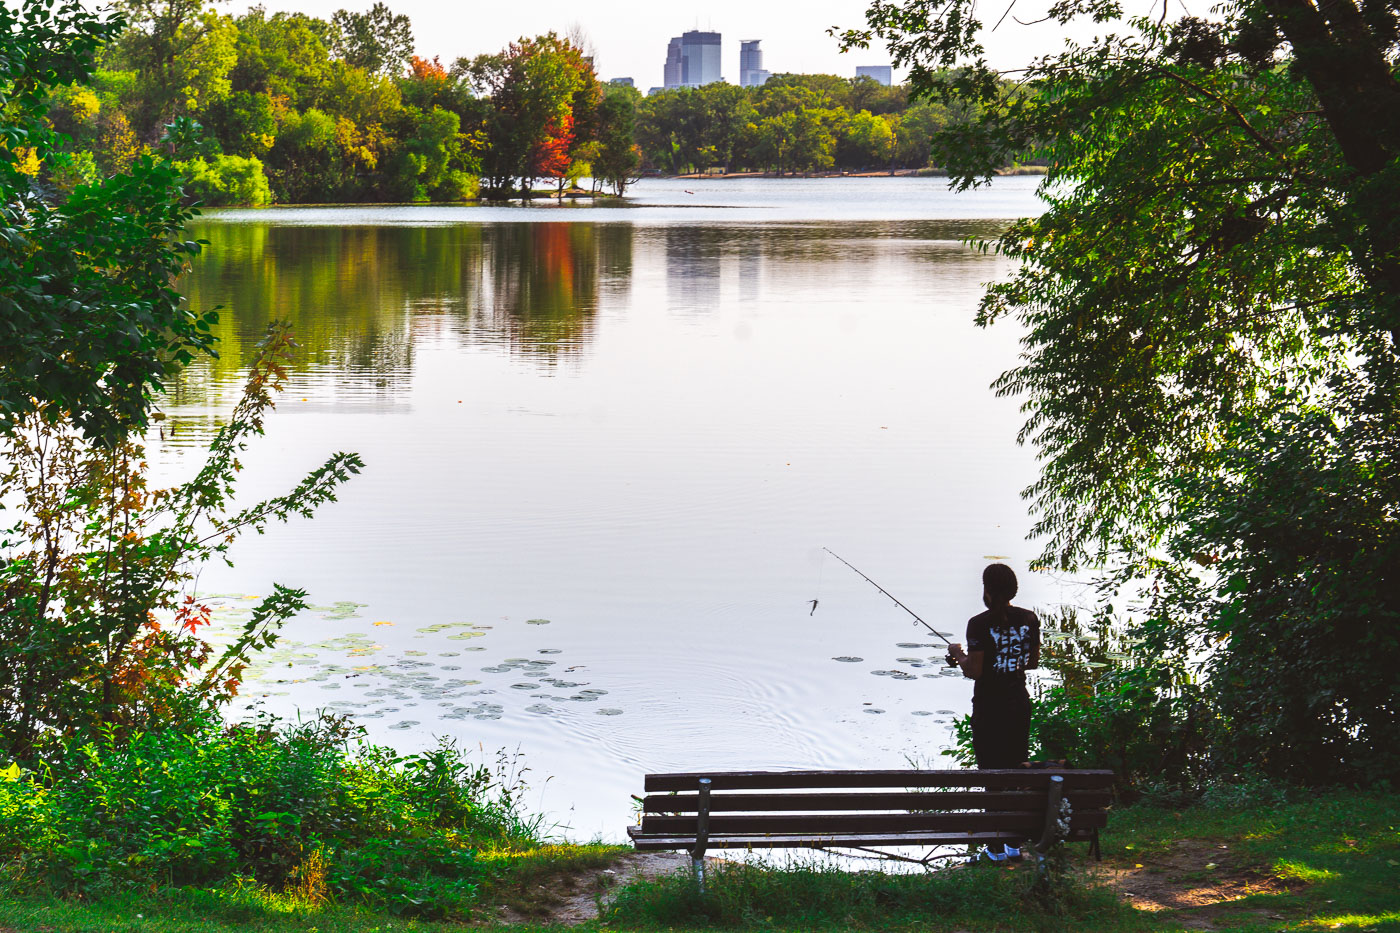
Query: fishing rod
887, 593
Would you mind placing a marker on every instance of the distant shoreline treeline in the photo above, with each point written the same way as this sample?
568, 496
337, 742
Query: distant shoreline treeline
297, 109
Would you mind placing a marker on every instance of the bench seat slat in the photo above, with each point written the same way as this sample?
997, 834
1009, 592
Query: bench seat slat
1017, 778
1011, 821
649, 843
926, 800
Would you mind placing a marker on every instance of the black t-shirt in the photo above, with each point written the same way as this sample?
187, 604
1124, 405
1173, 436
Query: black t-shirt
1007, 644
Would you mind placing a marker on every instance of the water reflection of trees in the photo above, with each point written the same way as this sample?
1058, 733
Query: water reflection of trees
359, 296
544, 283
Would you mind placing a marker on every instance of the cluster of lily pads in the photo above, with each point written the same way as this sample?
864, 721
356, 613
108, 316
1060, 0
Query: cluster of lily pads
387, 685
936, 664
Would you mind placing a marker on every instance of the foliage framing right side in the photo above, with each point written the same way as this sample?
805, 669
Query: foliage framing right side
1212, 353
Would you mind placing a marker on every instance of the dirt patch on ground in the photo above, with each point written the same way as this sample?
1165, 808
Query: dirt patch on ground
574, 898
1197, 881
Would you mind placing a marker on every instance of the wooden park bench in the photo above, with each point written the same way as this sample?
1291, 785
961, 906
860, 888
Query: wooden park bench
870, 810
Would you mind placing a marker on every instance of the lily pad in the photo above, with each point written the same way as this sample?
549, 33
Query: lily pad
848, 659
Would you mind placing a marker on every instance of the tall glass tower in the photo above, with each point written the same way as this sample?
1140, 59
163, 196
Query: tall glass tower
751, 73
692, 59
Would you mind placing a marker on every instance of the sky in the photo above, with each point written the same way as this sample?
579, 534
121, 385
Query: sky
629, 36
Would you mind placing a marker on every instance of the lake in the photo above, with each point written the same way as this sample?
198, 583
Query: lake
605, 447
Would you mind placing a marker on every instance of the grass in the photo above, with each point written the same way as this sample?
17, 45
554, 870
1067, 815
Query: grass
523, 881
1329, 862
1321, 863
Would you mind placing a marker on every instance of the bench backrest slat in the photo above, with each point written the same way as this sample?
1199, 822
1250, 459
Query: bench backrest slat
1015, 779
1031, 800
835, 824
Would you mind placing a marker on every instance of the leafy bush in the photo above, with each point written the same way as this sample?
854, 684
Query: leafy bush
226, 180
307, 807
96, 635
1119, 698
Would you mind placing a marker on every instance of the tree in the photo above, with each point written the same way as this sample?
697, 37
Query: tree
92, 325
283, 56
531, 86
549, 157
430, 162
668, 128
866, 140
1212, 304
182, 53
618, 158
379, 40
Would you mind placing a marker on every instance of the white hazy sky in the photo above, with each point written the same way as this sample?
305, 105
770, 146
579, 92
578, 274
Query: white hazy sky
630, 36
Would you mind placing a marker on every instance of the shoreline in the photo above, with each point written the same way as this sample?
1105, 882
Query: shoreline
897, 173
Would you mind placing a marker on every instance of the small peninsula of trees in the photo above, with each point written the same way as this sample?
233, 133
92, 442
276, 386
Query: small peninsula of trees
298, 109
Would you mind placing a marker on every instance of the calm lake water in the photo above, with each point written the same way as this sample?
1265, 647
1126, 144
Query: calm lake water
605, 448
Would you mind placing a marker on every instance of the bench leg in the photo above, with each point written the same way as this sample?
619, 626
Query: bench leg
1094, 848
1052, 832
702, 835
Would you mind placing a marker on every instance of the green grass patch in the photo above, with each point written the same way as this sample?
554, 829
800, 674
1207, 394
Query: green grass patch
1320, 863
817, 895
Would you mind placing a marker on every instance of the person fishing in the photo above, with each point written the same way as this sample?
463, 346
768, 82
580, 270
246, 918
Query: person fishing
1002, 644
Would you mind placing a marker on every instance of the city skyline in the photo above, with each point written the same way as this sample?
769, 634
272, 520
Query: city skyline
629, 40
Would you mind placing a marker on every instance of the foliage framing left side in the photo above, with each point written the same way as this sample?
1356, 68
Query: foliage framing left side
90, 323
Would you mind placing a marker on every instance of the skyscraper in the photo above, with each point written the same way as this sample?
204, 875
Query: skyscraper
751, 73
692, 59
881, 73
674, 75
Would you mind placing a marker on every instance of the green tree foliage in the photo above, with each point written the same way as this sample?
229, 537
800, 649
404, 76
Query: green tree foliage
618, 158
792, 123
342, 110
1212, 309
868, 140
325, 111
283, 56
182, 54
91, 324
225, 179
309, 808
532, 86
378, 40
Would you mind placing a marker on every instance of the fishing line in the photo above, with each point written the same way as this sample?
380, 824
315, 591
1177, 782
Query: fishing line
887, 593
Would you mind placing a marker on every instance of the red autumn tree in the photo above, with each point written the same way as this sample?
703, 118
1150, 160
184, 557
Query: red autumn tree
549, 158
